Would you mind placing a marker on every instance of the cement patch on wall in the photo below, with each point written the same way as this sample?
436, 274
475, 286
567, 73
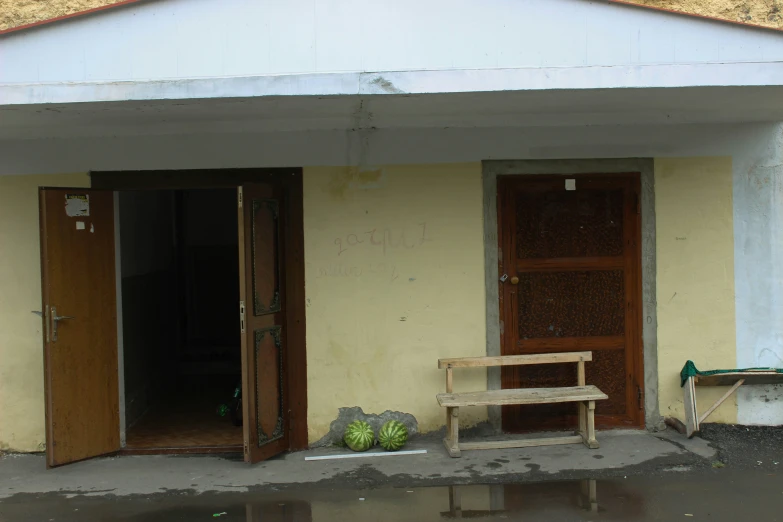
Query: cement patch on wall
492, 169
348, 415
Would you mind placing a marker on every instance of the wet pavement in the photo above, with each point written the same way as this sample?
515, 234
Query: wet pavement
623, 453
715, 495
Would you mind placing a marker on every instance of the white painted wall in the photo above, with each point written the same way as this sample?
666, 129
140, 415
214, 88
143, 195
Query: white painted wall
177, 39
758, 254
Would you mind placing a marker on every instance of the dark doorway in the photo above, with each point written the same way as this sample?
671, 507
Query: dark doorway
181, 335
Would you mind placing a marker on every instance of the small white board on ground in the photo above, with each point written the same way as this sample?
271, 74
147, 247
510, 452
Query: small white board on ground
373, 454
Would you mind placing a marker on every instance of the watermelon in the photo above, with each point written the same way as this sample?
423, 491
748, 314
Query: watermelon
359, 436
393, 435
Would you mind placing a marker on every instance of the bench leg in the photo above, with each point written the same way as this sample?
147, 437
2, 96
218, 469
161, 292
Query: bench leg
452, 432
691, 412
589, 436
582, 430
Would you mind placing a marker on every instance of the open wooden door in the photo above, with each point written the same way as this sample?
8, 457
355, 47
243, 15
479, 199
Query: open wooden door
80, 324
262, 315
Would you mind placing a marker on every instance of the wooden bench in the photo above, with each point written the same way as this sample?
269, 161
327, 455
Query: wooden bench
583, 394
735, 379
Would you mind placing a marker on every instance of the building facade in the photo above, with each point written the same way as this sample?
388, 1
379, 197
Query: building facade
404, 124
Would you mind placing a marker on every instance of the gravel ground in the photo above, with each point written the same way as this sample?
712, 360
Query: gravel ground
746, 446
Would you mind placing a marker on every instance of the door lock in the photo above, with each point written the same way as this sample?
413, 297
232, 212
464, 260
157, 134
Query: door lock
504, 278
55, 319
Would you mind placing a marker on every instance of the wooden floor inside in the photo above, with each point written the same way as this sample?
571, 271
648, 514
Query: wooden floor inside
186, 418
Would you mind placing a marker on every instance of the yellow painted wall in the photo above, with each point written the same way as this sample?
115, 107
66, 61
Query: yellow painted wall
394, 280
695, 276
21, 347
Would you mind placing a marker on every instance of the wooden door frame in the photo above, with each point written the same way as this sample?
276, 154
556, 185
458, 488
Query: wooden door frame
491, 171
290, 180
632, 271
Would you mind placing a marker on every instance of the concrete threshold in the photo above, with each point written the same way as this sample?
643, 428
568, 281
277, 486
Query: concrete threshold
622, 453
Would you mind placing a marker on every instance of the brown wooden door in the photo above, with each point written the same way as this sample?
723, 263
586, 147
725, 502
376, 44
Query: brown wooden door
571, 250
81, 379
262, 307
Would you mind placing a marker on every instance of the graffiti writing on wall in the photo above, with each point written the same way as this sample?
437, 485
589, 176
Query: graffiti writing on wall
384, 239
347, 271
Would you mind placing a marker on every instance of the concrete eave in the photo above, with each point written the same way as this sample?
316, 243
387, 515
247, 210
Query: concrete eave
402, 83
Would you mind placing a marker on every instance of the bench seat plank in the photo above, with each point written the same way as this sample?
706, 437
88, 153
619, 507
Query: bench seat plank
521, 396
728, 379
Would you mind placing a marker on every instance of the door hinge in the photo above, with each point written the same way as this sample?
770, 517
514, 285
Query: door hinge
239, 196
639, 396
242, 316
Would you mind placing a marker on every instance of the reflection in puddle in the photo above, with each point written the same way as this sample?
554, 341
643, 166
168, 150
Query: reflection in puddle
497, 502
586, 499
722, 497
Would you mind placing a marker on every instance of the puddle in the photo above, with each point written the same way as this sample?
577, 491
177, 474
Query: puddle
717, 496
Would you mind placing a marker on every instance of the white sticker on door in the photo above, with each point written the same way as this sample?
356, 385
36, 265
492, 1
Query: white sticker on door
77, 205
80, 225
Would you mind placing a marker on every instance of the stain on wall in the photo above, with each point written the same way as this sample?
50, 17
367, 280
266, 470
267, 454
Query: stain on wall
394, 280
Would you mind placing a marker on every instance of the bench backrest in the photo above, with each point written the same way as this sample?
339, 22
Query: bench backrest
516, 360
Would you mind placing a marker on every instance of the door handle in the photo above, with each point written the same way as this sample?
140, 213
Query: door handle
55, 319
